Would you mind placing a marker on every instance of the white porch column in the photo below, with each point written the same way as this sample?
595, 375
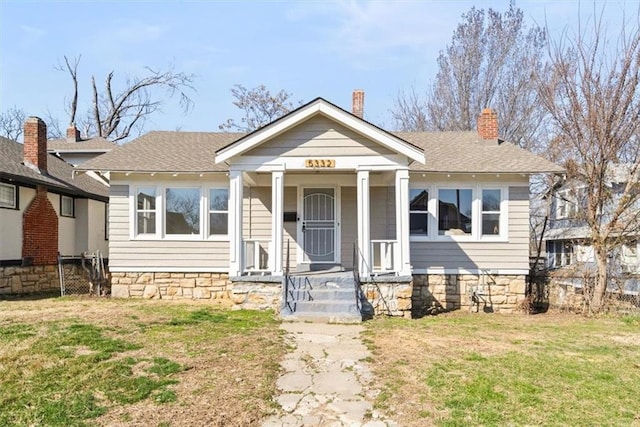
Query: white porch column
364, 232
236, 264
277, 206
402, 258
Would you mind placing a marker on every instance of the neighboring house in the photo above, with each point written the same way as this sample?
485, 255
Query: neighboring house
44, 210
434, 216
75, 150
568, 238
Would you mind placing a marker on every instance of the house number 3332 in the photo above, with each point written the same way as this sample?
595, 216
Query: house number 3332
320, 163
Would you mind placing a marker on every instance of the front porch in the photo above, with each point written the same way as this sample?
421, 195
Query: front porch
306, 222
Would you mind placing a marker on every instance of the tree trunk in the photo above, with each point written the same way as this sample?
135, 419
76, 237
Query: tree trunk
600, 286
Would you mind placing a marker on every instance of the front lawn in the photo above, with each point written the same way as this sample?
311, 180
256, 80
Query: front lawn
78, 361
465, 369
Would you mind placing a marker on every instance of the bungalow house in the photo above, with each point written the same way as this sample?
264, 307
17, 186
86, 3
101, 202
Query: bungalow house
44, 210
274, 217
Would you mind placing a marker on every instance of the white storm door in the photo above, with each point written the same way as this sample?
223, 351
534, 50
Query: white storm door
319, 225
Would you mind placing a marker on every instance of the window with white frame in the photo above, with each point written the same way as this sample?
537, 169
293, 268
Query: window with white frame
491, 200
218, 211
418, 212
560, 253
67, 205
146, 210
8, 196
629, 257
455, 212
182, 211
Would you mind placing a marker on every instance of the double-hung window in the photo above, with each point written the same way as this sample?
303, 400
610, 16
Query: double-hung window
67, 206
418, 212
8, 196
218, 211
455, 212
491, 200
146, 210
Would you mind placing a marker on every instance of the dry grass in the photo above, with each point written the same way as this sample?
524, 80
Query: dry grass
475, 369
78, 361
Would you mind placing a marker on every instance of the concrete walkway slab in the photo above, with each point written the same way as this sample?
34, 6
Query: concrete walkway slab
325, 380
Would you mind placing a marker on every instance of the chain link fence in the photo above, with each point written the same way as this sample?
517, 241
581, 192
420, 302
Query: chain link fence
82, 275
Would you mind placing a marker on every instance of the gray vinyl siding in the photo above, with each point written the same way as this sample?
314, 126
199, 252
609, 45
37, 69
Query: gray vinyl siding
168, 255
257, 218
290, 228
318, 137
382, 213
513, 254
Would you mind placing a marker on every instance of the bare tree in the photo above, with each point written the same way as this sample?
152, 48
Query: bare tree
593, 98
12, 123
491, 62
259, 107
116, 113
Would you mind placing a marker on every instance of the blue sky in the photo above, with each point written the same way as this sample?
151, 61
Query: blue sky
308, 48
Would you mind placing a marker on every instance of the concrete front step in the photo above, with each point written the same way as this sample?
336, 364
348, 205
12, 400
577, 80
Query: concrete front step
322, 318
325, 295
328, 306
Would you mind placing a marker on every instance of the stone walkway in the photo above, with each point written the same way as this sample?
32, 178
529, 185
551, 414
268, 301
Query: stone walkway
326, 381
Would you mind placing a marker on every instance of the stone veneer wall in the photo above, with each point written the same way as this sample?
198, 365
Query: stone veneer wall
29, 280
210, 286
425, 294
389, 298
435, 293
38, 278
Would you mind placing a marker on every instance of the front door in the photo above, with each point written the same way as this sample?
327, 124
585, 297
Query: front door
319, 225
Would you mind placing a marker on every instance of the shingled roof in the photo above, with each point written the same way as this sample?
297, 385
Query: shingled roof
165, 151
445, 152
467, 152
96, 144
59, 173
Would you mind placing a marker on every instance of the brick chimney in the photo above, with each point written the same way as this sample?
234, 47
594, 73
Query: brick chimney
357, 107
73, 134
35, 143
488, 124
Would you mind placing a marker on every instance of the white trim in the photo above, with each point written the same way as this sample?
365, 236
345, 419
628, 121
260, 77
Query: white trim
168, 269
235, 223
403, 254
382, 162
160, 188
476, 212
320, 106
364, 222
475, 271
277, 223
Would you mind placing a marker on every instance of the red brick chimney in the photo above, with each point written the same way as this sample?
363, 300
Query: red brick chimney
488, 124
35, 143
357, 107
73, 134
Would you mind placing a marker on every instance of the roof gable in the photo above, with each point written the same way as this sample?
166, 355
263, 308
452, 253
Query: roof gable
322, 107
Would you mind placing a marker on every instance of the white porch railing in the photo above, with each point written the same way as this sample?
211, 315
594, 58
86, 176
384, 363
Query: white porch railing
383, 256
256, 255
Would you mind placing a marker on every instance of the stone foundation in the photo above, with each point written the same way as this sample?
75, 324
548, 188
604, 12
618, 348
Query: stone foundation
29, 280
434, 293
402, 297
209, 286
389, 298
